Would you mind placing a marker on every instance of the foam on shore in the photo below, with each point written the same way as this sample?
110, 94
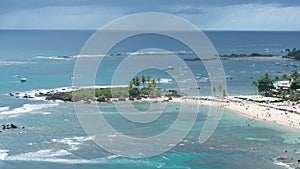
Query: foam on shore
27, 108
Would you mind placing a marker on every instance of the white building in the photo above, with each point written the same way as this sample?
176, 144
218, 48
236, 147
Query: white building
285, 84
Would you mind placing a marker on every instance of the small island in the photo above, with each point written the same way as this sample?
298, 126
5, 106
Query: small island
290, 54
138, 88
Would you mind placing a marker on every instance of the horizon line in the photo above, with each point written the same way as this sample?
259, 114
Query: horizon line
216, 30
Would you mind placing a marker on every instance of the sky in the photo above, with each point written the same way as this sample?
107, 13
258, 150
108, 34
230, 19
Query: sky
205, 14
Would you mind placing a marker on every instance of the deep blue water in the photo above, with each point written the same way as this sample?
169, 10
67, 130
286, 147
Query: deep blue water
53, 136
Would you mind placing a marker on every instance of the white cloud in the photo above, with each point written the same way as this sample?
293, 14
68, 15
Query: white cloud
83, 17
229, 17
249, 17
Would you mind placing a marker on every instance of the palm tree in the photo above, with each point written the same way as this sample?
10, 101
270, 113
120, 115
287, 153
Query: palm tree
143, 80
255, 84
224, 93
148, 79
295, 75
220, 88
137, 81
214, 90
158, 80
277, 78
131, 84
153, 83
285, 77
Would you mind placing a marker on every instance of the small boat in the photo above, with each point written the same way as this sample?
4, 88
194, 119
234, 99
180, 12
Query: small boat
170, 67
23, 80
285, 65
293, 65
277, 63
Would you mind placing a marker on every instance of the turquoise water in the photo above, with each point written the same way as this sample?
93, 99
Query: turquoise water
53, 136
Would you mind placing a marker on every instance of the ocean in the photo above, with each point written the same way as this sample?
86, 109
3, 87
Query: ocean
53, 136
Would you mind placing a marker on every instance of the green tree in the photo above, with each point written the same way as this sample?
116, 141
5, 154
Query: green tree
143, 80
136, 81
293, 96
224, 93
134, 92
148, 79
264, 84
214, 90
295, 75
158, 80
293, 53
153, 83
295, 85
284, 77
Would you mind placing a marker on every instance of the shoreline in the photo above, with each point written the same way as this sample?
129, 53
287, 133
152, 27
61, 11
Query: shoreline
260, 108
261, 58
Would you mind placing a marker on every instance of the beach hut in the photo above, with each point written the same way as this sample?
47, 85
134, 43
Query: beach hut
282, 85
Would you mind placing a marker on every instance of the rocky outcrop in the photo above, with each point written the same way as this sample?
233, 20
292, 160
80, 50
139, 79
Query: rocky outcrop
59, 96
10, 127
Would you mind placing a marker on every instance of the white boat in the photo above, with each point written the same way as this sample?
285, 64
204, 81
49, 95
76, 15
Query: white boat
170, 67
23, 80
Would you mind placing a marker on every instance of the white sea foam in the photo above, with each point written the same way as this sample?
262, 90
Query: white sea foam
283, 164
88, 56
56, 156
55, 57
8, 63
41, 155
203, 79
74, 142
3, 154
4, 108
65, 157
34, 94
26, 108
165, 80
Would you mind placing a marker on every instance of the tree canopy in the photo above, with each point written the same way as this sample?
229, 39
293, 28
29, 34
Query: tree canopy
294, 53
264, 84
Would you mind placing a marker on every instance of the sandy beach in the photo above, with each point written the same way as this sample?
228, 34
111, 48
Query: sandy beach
276, 113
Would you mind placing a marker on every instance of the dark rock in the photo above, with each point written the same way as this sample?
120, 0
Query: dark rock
59, 96
10, 126
101, 99
13, 126
283, 159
